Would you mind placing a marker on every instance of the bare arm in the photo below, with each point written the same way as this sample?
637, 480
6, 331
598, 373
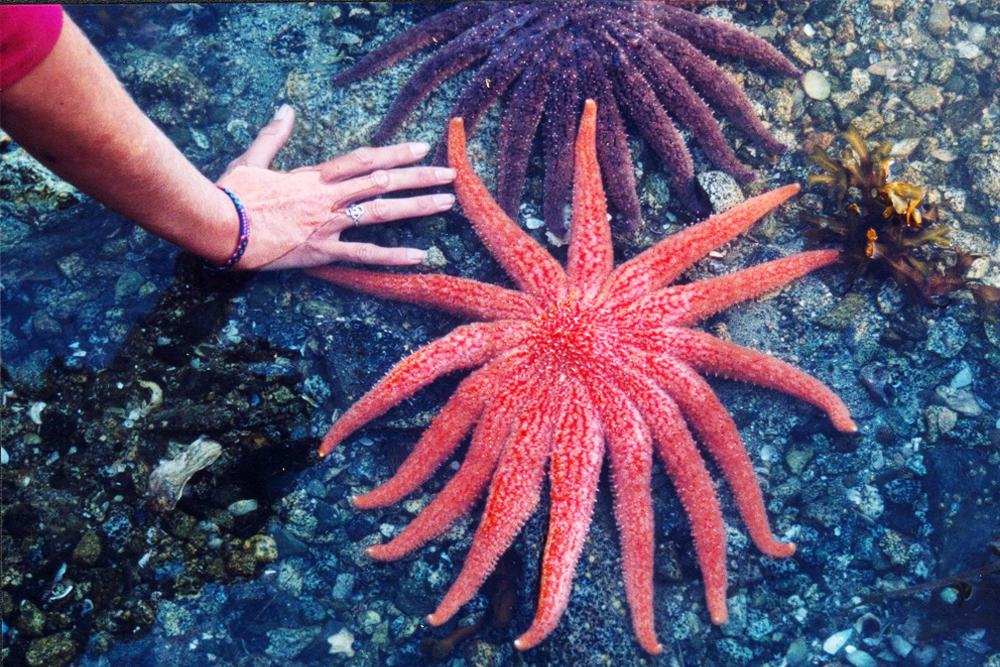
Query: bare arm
72, 114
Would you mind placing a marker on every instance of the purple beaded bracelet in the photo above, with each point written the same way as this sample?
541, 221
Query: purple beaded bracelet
241, 245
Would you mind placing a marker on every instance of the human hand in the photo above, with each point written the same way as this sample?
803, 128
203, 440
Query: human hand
296, 217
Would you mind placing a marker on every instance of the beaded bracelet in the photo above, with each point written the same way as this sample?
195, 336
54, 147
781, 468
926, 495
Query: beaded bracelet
241, 244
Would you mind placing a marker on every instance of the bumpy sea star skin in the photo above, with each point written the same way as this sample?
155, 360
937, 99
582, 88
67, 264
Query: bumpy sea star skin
642, 60
576, 364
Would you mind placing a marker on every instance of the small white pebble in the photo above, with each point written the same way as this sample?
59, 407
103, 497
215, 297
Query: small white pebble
816, 85
4, 457
836, 641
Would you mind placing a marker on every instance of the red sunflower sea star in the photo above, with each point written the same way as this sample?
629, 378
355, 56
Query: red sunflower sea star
576, 364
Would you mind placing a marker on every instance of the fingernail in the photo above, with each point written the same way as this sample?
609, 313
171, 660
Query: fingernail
444, 201
444, 175
420, 148
415, 255
282, 112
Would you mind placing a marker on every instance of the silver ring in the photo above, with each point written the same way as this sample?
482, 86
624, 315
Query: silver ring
354, 212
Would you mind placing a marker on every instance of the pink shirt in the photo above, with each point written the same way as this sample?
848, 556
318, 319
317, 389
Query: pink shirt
27, 35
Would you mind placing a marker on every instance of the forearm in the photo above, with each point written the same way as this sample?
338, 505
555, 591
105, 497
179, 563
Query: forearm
73, 115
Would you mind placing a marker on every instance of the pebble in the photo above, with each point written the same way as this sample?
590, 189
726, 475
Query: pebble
960, 400
859, 658
816, 85
4, 457
836, 641
962, 378
926, 97
939, 20
722, 189
241, 507
901, 646
946, 337
342, 643
966, 50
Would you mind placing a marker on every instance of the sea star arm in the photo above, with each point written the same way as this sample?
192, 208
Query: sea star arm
711, 355
681, 98
709, 79
438, 28
577, 454
557, 139
448, 428
685, 305
710, 419
513, 496
640, 103
462, 490
460, 296
591, 255
612, 142
466, 346
518, 128
668, 259
686, 469
630, 450
525, 261
499, 71
723, 38
455, 56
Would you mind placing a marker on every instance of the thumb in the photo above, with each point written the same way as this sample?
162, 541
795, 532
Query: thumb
269, 140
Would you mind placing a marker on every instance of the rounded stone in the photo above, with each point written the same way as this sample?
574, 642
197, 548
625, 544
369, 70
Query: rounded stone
816, 85
88, 549
53, 651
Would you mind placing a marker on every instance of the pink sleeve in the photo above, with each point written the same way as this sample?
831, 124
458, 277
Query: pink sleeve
27, 35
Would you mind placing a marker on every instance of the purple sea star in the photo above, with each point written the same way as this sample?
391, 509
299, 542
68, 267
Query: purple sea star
641, 60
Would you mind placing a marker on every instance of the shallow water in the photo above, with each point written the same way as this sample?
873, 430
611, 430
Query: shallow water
95, 310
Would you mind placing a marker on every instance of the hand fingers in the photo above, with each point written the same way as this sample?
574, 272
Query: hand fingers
380, 182
369, 253
385, 210
367, 159
269, 140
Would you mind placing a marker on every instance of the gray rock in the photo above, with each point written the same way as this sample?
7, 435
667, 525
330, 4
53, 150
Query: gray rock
722, 189
946, 338
926, 97
939, 20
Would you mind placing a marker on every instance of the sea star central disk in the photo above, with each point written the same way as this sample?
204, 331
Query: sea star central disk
575, 365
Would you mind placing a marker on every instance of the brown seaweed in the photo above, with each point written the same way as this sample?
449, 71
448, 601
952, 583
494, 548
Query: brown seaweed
884, 222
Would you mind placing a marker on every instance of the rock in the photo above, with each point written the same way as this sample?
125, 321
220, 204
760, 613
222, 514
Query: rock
966, 50
88, 549
960, 400
72, 266
780, 103
241, 507
342, 643
843, 313
868, 122
722, 189
883, 9
816, 85
836, 641
45, 325
53, 651
985, 171
30, 620
263, 548
797, 460
939, 20
926, 97
128, 283
946, 338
